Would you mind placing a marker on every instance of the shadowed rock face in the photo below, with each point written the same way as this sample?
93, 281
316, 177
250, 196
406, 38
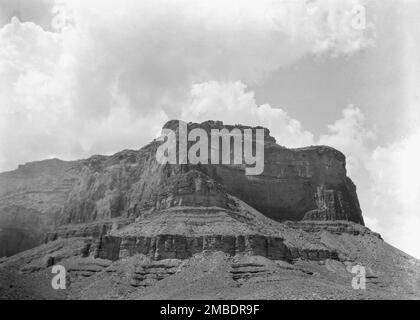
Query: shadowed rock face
95, 196
297, 184
31, 199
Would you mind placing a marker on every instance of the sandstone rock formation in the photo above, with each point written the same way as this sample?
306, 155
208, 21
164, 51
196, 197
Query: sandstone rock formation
127, 226
31, 199
90, 197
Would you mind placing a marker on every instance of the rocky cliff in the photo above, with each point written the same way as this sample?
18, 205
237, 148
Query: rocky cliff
101, 194
31, 199
128, 227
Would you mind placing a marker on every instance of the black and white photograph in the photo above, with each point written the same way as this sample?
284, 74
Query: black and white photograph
209, 151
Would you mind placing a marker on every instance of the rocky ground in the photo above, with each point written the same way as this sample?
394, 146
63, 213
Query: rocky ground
390, 273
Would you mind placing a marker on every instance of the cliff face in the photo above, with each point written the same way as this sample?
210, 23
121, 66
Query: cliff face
31, 199
99, 195
296, 184
126, 226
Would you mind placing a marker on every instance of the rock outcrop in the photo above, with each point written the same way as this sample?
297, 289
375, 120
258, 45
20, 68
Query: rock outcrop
128, 227
31, 199
104, 195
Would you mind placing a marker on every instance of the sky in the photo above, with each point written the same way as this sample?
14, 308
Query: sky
79, 78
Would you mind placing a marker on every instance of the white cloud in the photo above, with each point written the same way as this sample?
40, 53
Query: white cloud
38, 117
153, 51
330, 26
396, 191
143, 59
231, 103
38, 11
387, 178
350, 135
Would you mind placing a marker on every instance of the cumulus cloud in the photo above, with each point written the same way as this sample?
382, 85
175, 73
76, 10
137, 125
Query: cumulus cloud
141, 62
350, 135
153, 51
38, 118
387, 178
38, 11
33, 93
396, 191
330, 26
233, 104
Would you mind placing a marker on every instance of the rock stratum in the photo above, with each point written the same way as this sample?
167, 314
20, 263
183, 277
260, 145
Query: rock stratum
126, 226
